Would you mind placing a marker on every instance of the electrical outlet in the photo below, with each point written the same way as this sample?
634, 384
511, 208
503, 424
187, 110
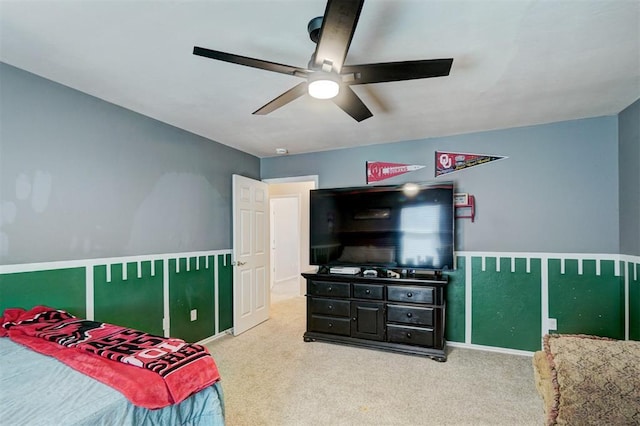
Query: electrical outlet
194, 314
552, 323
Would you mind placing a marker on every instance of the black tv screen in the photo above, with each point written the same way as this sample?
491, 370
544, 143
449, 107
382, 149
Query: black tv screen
398, 227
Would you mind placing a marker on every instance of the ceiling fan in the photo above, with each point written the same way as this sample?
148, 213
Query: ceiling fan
326, 76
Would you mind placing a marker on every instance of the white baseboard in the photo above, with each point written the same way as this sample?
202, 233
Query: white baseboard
490, 349
214, 337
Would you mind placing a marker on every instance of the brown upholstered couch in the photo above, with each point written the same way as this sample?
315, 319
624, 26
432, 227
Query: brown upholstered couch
588, 380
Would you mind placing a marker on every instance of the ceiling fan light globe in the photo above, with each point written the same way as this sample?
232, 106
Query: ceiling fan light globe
323, 89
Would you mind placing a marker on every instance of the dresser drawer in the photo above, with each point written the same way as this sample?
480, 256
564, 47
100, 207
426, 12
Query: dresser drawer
410, 315
411, 294
340, 308
368, 291
410, 335
330, 325
326, 288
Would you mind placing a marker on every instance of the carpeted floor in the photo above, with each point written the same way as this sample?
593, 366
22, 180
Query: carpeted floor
270, 376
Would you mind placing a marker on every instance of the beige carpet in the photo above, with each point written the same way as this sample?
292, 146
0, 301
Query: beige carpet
270, 376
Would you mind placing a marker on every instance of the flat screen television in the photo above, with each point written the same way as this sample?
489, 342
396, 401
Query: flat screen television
408, 226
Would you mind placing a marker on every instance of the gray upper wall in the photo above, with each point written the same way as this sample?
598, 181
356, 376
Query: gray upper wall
629, 130
556, 192
82, 178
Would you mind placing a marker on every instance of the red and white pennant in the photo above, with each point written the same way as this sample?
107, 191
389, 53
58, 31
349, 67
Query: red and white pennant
379, 170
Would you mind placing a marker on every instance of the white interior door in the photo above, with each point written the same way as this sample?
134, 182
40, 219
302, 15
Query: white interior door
285, 239
251, 295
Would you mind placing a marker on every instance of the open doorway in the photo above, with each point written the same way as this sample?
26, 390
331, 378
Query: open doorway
289, 217
285, 246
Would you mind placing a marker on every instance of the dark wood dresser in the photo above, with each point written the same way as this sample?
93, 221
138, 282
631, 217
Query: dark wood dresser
395, 314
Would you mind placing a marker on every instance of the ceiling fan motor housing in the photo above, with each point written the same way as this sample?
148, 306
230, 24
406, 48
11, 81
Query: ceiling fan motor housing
314, 29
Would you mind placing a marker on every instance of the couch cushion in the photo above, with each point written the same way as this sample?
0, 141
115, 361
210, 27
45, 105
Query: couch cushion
543, 382
595, 380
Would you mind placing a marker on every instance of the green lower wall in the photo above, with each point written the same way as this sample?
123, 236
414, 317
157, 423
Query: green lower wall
456, 294
60, 288
225, 292
633, 270
494, 300
497, 301
134, 302
587, 303
506, 305
132, 293
189, 290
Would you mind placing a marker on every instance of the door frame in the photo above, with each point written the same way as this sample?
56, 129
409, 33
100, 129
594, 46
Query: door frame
296, 179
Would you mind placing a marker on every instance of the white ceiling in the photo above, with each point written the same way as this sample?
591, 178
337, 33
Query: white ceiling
516, 63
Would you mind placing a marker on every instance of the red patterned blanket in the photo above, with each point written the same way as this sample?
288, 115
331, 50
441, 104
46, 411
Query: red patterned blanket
151, 371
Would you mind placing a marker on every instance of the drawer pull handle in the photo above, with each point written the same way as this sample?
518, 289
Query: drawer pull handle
330, 307
408, 335
409, 314
409, 294
328, 288
368, 291
330, 325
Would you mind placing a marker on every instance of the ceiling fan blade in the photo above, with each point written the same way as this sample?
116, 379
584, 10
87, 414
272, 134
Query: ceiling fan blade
338, 25
351, 104
251, 62
290, 95
397, 71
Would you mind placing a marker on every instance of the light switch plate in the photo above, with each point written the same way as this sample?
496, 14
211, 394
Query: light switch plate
194, 314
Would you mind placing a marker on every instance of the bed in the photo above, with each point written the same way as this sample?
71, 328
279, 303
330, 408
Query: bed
38, 389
